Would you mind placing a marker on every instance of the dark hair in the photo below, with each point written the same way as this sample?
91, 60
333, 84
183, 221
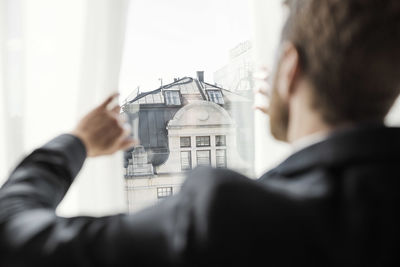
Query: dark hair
350, 52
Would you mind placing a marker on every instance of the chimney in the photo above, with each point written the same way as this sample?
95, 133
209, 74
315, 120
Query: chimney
200, 76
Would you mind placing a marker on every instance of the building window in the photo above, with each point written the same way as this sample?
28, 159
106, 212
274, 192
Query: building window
186, 160
221, 158
202, 141
215, 96
203, 157
220, 140
185, 141
172, 98
163, 192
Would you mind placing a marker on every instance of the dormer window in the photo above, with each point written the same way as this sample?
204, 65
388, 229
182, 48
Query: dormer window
215, 96
172, 98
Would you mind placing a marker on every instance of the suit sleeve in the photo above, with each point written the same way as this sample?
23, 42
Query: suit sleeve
31, 234
175, 232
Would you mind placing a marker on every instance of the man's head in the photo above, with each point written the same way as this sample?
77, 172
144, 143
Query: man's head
345, 54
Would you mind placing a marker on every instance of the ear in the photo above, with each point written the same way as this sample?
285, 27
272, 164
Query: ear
288, 71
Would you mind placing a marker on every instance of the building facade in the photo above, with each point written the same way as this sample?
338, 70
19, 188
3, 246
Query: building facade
181, 125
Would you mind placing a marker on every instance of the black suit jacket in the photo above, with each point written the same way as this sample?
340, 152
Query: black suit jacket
331, 204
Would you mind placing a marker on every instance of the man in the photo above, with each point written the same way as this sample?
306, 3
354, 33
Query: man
332, 203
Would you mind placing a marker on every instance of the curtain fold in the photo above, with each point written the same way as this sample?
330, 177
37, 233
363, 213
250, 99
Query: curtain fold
58, 59
101, 60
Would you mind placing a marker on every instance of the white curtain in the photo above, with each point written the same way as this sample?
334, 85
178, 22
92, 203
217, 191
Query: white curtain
58, 59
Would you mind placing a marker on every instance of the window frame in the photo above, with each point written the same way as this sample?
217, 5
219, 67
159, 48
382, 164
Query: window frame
164, 192
166, 98
209, 157
189, 158
212, 96
180, 141
216, 159
203, 145
219, 143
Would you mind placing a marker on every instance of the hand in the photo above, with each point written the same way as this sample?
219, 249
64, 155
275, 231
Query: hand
102, 130
261, 90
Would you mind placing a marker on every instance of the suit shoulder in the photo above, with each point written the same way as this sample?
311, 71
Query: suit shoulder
207, 178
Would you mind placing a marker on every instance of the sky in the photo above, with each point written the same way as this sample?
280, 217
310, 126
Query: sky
175, 38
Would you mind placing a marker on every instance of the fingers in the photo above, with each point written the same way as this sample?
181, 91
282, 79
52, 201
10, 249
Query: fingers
262, 81
263, 109
261, 89
116, 109
124, 141
128, 143
108, 101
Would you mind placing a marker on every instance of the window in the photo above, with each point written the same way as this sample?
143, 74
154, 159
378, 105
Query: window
215, 96
221, 158
177, 113
185, 141
220, 140
203, 157
186, 160
163, 192
202, 141
172, 98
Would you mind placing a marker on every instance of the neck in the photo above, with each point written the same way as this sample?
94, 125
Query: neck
299, 129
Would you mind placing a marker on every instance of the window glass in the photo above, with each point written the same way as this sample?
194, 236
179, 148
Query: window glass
220, 140
172, 98
185, 141
215, 96
202, 141
163, 192
186, 160
180, 71
220, 158
203, 157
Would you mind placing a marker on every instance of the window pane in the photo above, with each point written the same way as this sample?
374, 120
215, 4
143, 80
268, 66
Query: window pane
182, 117
202, 141
221, 158
215, 96
186, 160
172, 98
203, 158
163, 192
220, 140
185, 141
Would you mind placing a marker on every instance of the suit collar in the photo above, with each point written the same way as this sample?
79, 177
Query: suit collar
364, 143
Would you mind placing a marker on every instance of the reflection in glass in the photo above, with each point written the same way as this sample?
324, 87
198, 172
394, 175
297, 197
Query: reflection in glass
167, 126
